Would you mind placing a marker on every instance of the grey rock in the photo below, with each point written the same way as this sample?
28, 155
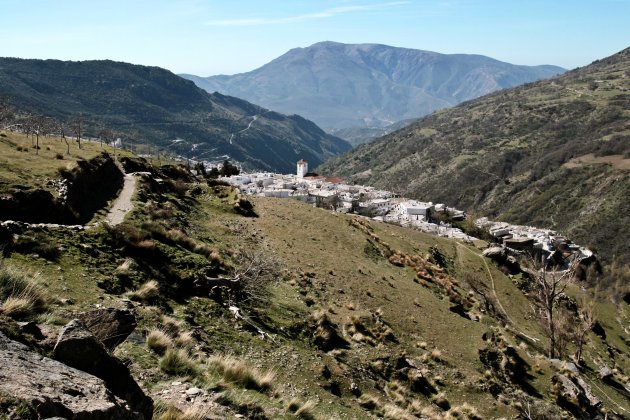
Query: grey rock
577, 393
605, 373
493, 252
54, 389
110, 325
79, 348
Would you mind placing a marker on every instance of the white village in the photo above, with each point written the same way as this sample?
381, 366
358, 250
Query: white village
333, 194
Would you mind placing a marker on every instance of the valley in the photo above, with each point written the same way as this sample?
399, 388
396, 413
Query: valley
166, 252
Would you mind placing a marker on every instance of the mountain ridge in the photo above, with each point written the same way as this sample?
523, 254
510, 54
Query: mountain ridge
344, 85
163, 107
509, 154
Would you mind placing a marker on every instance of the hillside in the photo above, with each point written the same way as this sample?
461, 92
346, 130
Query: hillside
553, 153
369, 85
275, 309
153, 106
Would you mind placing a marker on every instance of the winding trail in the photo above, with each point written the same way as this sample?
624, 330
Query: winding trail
122, 205
254, 118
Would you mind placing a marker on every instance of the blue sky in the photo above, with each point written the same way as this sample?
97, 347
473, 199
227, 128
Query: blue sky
207, 37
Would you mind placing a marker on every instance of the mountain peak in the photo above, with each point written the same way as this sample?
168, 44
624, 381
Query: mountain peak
343, 85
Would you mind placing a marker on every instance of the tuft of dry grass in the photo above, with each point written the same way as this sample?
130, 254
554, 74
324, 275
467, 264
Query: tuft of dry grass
147, 293
178, 362
237, 372
171, 412
463, 412
20, 296
185, 340
305, 411
159, 341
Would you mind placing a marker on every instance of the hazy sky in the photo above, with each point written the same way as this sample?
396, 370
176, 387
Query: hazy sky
207, 37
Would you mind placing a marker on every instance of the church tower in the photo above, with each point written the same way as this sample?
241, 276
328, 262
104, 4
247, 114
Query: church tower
302, 168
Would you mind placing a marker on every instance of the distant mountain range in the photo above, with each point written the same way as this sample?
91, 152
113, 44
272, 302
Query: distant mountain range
554, 153
167, 111
368, 85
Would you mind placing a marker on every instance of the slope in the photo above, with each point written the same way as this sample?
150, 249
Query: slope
345, 85
522, 155
354, 318
157, 107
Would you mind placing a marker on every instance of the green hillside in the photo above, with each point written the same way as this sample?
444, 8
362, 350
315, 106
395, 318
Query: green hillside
153, 106
553, 153
337, 316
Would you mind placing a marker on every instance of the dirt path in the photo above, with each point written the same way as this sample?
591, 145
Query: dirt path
122, 205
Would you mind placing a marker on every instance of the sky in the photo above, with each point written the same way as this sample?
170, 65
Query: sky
209, 37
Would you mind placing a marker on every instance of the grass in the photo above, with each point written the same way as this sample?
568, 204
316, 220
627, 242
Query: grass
236, 371
147, 293
158, 341
20, 295
177, 362
25, 168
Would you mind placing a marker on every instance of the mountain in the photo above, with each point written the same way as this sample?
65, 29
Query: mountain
359, 135
298, 313
553, 153
368, 85
166, 111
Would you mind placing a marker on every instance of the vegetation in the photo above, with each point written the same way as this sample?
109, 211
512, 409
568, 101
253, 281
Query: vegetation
102, 99
553, 154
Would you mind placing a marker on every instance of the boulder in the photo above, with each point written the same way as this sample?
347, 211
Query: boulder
110, 325
494, 252
576, 396
53, 389
79, 348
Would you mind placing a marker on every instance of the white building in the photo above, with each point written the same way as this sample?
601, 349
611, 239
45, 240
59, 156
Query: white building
302, 168
413, 210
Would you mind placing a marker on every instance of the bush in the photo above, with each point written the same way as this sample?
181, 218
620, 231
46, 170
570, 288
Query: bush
58, 156
38, 243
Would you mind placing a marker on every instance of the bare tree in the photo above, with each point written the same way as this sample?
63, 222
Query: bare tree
77, 125
587, 320
248, 282
6, 110
60, 127
549, 284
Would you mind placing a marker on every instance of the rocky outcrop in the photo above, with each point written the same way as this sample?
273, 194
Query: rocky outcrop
79, 348
53, 389
575, 395
110, 325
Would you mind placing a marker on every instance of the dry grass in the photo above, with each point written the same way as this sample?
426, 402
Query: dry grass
173, 413
159, 341
237, 372
178, 362
20, 296
463, 412
147, 293
185, 340
305, 411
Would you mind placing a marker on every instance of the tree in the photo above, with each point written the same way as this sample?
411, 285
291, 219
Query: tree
228, 169
60, 126
585, 324
77, 125
6, 110
549, 284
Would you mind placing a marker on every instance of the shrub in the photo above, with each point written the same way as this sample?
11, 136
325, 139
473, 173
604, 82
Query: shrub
38, 243
20, 296
178, 362
58, 156
159, 341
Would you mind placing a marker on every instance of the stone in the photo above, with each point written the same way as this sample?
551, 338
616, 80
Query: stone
110, 325
79, 348
494, 252
605, 373
193, 391
576, 395
54, 389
